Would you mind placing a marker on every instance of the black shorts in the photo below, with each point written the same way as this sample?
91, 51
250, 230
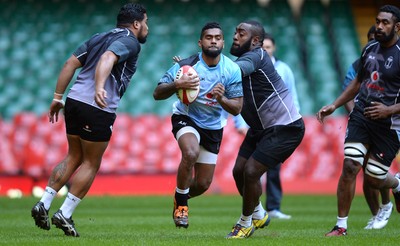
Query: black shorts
88, 122
209, 139
273, 145
383, 142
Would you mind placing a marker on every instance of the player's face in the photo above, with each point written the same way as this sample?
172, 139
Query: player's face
268, 46
385, 27
241, 40
143, 30
212, 42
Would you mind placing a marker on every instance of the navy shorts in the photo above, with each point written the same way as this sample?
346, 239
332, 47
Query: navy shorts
273, 145
209, 139
383, 142
88, 122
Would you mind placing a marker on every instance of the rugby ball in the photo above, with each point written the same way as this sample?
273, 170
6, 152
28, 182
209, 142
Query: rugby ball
187, 96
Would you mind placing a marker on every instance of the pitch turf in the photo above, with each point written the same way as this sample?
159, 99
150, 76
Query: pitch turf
147, 221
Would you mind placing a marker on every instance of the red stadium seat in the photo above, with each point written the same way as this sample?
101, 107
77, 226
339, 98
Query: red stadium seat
296, 167
326, 166
8, 162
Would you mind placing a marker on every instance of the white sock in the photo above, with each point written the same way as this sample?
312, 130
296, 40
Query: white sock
397, 189
245, 221
180, 191
259, 212
342, 222
386, 206
48, 196
69, 205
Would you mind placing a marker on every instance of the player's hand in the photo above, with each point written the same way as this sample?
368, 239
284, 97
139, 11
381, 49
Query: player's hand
176, 59
187, 81
325, 111
377, 111
100, 97
55, 108
218, 91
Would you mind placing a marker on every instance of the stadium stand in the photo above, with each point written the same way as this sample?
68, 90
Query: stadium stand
318, 45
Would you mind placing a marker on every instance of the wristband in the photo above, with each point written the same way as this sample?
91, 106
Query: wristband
59, 101
58, 94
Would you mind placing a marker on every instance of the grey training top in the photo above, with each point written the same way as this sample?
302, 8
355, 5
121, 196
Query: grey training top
121, 42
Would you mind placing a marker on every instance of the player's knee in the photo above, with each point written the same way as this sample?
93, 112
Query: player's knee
350, 169
251, 173
190, 156
355, 152
376, 170
237, 171
203, 185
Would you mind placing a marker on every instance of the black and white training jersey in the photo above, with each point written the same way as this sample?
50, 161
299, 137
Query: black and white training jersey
123, 43
379, 75
267, 101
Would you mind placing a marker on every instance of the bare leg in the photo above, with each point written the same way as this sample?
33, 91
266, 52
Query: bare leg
346, 187
190, 151
389, 182
63, 171
372, 197
92, 156
203, 176
252, 189
238, 173
385, 195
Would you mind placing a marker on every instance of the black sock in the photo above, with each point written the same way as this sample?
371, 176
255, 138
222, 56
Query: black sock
181, 199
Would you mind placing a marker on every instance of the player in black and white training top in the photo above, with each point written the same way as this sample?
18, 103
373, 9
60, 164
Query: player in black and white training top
374, 123
108, 61
276, 127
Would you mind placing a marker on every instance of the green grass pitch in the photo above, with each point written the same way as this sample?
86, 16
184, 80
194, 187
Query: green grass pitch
146, 220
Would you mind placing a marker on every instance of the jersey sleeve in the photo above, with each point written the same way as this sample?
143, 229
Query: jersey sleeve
81, 52
248, 63
169, 76
124, 48
234, 88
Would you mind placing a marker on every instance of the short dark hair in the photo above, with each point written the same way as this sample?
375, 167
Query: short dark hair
269, 37
256, 29
393, 10
209, 25
130, 13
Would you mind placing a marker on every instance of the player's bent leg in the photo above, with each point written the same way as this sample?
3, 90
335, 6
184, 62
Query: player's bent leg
85, 175
376, 175
237, 173
346, 186
203, 176
252, 185
81, 182
396, 192
188, 140
58, 178
372, 198
64, 170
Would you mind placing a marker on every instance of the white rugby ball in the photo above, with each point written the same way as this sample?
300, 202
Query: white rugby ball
187, 96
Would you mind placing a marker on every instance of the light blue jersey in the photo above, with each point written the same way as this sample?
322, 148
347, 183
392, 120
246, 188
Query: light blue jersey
205, 111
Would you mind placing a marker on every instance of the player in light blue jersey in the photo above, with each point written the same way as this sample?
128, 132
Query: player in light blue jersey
198, 127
